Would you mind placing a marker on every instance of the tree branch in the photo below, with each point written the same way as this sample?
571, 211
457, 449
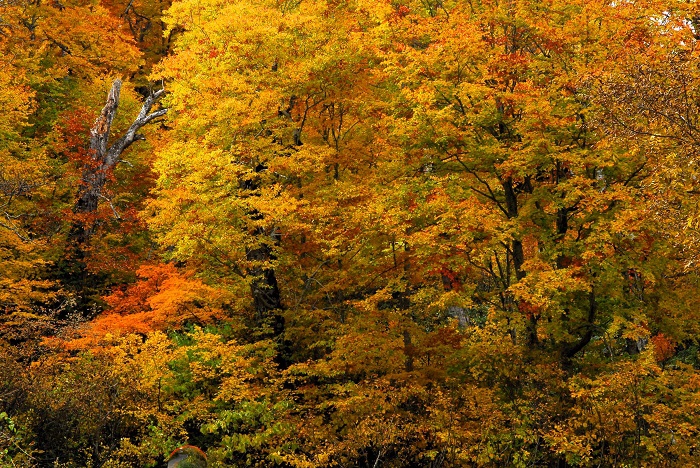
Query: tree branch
145, 116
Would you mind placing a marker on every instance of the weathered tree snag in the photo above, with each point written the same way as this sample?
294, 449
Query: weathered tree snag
104, 158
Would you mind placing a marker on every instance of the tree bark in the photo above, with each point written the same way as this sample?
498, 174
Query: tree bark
264, 289
570, 351
104, 158
518, 255
263, 286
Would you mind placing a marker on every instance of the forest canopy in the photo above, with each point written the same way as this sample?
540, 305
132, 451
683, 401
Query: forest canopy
349, 233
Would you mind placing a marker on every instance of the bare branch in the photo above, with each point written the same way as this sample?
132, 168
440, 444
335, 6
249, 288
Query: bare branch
145, 116
106, 157
111, 205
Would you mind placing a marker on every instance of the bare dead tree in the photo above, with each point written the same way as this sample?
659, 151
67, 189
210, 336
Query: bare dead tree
104, 157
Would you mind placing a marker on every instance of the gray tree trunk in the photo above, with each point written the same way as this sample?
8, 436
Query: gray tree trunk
104, 158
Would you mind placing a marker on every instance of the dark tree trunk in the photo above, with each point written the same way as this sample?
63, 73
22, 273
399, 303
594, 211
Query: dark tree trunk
263, 286
518, 255
571, 350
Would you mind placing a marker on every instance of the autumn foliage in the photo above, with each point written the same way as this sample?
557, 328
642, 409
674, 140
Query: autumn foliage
371, 233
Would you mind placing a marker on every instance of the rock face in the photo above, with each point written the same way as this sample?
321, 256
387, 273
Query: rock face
187, 456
